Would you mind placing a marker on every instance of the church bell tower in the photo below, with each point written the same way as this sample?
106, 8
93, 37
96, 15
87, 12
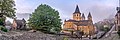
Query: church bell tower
77, 14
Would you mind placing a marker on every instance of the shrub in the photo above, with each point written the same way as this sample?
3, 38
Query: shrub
65, 38
118, 33
3, 29
1, 21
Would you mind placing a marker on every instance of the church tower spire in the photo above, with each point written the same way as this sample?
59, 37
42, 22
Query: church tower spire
83, 16
77, 9
89, 16
77, 14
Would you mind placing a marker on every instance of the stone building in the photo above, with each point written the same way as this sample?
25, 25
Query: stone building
79, 22
19, 24
117, 18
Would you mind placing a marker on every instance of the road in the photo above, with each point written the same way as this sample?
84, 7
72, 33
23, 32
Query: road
109, 32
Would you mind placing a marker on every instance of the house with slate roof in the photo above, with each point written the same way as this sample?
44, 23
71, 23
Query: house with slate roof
19, 24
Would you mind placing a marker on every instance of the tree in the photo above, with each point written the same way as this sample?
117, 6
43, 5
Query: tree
45, 19
1, 21
99, 26
7, 9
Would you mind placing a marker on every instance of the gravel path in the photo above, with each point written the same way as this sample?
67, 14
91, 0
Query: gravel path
26, 35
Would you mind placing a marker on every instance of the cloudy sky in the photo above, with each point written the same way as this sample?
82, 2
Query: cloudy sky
100, 9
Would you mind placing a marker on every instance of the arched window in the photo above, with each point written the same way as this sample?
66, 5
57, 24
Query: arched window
77, 14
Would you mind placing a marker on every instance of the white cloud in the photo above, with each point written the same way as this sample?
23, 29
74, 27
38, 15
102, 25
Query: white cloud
23, 7
99, 9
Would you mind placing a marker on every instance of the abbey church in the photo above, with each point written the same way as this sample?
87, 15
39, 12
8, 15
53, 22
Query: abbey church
79, 22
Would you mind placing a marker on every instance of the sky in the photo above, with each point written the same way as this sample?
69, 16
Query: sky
100, 9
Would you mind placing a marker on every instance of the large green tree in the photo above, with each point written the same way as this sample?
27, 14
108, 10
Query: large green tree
7, 9
45, 19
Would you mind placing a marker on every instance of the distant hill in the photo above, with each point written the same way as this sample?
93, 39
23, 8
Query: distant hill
108, 22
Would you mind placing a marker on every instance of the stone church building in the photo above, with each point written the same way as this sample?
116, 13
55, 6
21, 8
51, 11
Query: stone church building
79, 22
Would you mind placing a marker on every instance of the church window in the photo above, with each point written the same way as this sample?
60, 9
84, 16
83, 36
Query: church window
77, 15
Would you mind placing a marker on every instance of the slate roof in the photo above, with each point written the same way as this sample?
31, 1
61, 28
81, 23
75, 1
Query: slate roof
118, 11
116, 14
89, 15
79, 23
77, 9
83, 16
82, 23
70, 20
20, 22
